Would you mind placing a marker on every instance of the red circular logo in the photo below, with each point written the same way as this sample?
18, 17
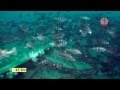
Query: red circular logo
104, 21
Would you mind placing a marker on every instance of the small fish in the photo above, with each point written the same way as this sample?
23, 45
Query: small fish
61, 43
58, 28
114, 34
33, 37
86, 30
67, 56
58, 35
115, 51
43, 62
83, 33
35, 59
74, 51
52, 44
104, 42
60, 19
40, 37
29, 45
23, 28
99, 49
85, 18
89, 31
6, 53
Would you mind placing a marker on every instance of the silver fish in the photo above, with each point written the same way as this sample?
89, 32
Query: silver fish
61, 43
40, 37
29, 45
85, 18
58, 35
83, 33
102, 41
6, 53
99, 49
114, 34
58, 28
60, 19
35, 59
87, 30
74, 51
67, 56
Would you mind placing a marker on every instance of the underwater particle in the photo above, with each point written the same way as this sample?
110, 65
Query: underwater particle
104, 22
